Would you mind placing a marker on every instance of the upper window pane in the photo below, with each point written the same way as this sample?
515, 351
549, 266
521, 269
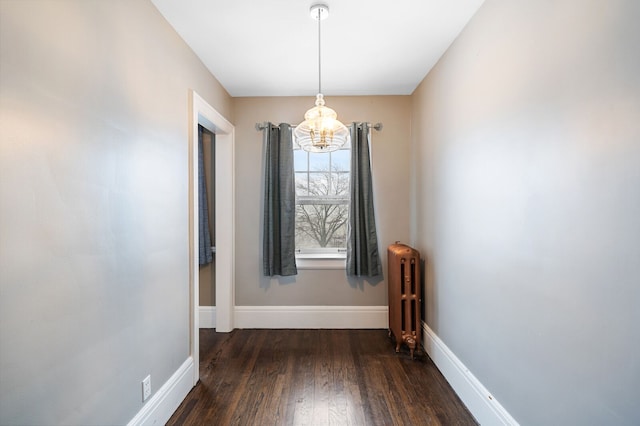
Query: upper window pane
319, 161
302, 183
339, 184
320, 184
299, 160
341, 160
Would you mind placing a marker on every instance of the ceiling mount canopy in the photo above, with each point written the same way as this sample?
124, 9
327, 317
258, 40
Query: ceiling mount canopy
319, 11
321, 131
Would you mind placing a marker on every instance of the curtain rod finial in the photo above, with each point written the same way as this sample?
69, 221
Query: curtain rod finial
378, 126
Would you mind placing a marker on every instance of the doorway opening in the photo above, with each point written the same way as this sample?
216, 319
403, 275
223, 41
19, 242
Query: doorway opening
206, 227
206, 116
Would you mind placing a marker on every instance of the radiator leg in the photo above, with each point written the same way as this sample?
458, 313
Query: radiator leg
411, 342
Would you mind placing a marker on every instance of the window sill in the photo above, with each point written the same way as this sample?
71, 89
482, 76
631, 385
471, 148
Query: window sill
321, 261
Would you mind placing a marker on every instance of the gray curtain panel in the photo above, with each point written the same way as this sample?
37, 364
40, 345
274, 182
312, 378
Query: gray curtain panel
279, 256
204, 253
363, 258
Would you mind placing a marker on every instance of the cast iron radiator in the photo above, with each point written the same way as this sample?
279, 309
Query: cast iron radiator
404, 295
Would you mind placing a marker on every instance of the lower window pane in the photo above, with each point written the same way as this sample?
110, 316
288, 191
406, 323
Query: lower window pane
321, 226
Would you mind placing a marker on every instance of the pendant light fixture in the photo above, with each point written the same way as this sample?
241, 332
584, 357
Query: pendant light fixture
320, 131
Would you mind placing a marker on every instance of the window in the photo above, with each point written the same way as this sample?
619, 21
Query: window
322, 202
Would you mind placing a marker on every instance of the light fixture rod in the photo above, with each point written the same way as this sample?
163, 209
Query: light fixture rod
319, 51
319, 11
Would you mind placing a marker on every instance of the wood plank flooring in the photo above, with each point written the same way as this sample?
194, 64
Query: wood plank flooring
316, 377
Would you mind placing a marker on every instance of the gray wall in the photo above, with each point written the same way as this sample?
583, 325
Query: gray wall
390, 157
94, 274
526, 140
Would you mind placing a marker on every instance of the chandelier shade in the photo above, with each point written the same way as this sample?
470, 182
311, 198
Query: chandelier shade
321, 131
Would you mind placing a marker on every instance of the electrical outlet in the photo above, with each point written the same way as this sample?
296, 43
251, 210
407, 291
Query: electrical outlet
146, 388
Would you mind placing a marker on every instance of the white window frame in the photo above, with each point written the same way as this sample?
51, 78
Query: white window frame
320, 258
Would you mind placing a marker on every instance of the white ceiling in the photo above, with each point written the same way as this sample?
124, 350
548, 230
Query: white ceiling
270, 47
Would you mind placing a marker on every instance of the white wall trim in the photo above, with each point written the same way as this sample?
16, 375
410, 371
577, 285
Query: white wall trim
311, 317
320, 263
207, 316
158, 409
482, 405
204, 114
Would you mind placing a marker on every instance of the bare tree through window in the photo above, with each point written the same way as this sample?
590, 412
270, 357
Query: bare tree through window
322, 194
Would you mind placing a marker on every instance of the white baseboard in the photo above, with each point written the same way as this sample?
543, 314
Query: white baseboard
158, 409
207, 316
311, 317
482, 405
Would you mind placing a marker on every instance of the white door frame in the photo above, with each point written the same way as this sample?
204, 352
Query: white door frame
202, 113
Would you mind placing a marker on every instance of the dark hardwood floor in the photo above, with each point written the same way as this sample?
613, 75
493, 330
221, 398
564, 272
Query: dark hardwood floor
316, 377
